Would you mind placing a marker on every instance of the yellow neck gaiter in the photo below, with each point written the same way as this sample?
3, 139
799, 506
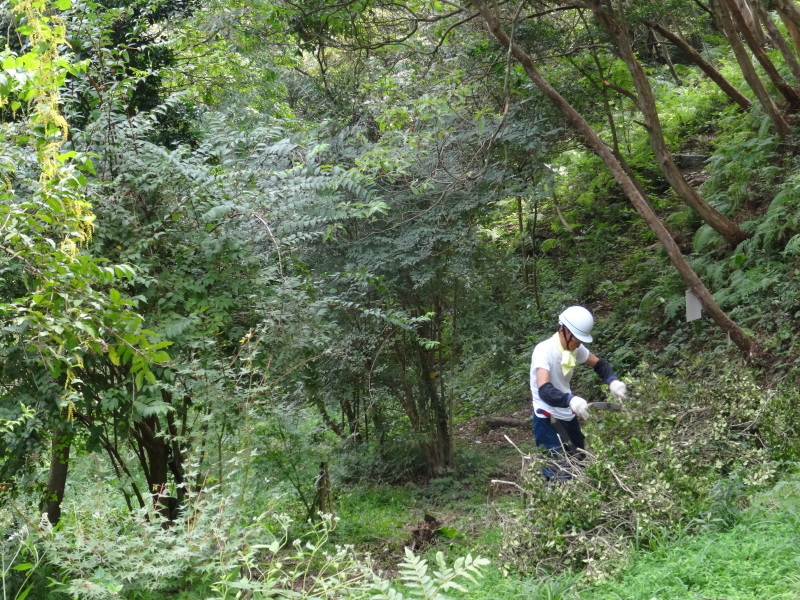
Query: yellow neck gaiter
568, 361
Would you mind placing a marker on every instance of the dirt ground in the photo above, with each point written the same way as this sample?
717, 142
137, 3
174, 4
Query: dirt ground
477, 432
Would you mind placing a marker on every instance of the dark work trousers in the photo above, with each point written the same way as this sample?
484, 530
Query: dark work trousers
547, 439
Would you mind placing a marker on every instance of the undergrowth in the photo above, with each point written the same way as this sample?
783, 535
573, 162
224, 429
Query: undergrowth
754, 559
650, 470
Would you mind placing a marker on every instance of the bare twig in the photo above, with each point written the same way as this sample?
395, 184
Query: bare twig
511, 483
274, 241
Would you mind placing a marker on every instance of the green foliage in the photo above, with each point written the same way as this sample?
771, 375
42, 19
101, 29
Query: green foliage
562, 587
216, 550
422, 585
754, 559
65, 309
742, 168
648, 470
19, 558
330, 266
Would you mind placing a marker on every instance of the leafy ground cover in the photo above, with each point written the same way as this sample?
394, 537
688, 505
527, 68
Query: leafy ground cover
741, 544
755, 559
752, 558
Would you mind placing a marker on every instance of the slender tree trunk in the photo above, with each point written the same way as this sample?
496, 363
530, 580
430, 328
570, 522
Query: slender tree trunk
647, 105
790, 15
780, 125
441, 443
536, 294
777, 37
704, 65
662, 48
750, 21
326, 417
641, 203
612, 126
752, 39
521, 224
57, 479
175, 462
120, 467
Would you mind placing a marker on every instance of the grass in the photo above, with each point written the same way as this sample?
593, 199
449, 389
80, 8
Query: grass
379, 515
755, 559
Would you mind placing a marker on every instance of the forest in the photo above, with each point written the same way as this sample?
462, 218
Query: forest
272, 273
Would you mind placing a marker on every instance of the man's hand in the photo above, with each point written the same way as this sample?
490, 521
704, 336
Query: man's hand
618, 389
579, 406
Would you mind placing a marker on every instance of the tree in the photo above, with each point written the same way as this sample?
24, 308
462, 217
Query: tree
604, 13
643, 207
60, 308
707, 68
723, 15
751, 31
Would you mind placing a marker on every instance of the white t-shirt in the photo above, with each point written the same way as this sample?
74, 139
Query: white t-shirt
547, 355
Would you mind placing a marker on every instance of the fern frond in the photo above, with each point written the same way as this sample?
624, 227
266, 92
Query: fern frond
704, 237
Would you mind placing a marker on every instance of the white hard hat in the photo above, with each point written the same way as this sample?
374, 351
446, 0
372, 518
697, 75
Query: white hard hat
579, 321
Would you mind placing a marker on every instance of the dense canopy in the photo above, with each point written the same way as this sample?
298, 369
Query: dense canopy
273, 271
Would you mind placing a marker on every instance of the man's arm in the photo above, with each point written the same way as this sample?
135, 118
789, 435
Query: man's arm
550, 393
604, 372
602, 368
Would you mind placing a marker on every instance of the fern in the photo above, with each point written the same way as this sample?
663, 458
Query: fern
414, 575
793, 246
705, 237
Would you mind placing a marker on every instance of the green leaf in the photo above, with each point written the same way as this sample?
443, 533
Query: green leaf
24, 594
23, 566
113, 356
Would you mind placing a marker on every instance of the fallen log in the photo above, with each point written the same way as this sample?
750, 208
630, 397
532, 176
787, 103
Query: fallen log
495, 422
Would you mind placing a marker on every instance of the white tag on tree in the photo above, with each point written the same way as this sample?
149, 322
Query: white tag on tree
694, 310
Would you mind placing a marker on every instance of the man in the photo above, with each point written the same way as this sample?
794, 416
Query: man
554, 405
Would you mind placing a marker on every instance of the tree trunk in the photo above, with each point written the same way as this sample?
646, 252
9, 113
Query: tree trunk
667, 58
523, 252
495, 422
612, 126
440, 439
534, 253
751, 37
726, 26
155, 452
647, 105
788, 54
750, 21
641, 203
704, 65
57, 479
790, 19
423, 406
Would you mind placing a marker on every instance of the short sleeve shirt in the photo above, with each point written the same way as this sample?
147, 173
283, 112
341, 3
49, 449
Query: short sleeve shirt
547, 355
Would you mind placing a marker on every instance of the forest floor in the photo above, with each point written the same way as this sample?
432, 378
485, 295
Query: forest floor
456, 511
458, 514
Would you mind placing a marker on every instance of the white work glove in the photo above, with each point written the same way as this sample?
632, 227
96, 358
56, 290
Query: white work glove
579, 406
618, 389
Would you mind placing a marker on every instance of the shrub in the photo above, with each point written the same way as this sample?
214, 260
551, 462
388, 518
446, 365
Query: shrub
215, 552
649, 471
